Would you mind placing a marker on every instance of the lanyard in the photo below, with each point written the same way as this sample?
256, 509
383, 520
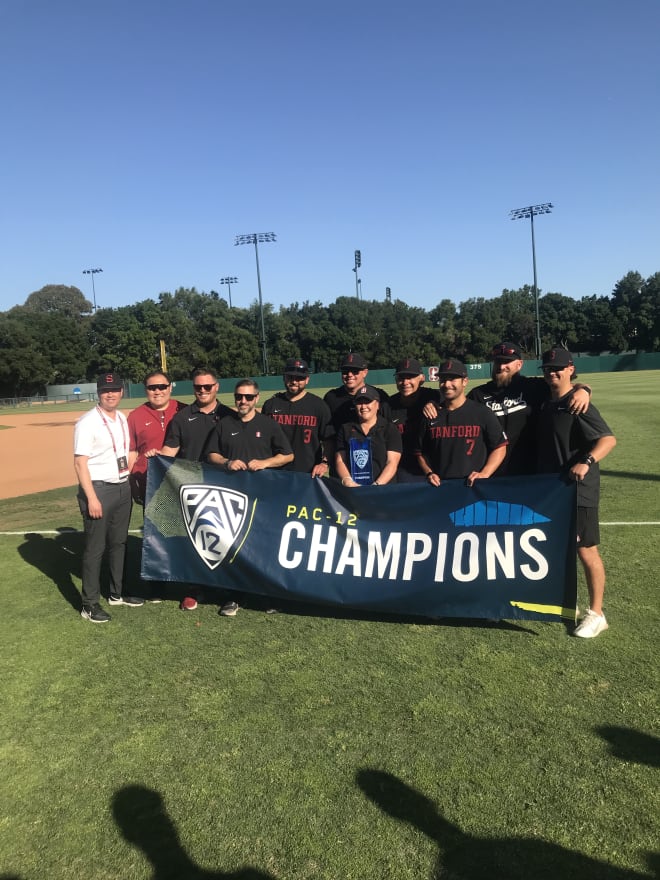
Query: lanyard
112, 436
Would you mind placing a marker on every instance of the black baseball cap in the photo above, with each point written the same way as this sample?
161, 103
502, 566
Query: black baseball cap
369, 392
296, 367
109, 382
506, 351
408, 367
353, 361
557, 357
452, 367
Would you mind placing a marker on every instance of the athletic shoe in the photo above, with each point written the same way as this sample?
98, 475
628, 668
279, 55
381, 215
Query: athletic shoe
95, 614
591, 625
132, 601
229, 609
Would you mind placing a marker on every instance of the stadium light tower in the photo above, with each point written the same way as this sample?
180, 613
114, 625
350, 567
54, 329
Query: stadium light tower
92, 272
229, 281
253, 238
522, 214
358, 281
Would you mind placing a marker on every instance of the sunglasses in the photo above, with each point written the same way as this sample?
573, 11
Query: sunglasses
504, 351
204, 387
554, 369
294, 377
160, 387
351, 372
248, 397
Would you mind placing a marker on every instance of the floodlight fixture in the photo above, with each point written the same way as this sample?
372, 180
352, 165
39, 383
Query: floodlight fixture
229, 280
92, 272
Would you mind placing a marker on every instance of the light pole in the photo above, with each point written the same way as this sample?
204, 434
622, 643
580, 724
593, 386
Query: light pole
92, 272
229, 282
522, 214
358, 281
253, 238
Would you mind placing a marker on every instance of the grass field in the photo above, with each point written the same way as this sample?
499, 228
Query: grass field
316, 745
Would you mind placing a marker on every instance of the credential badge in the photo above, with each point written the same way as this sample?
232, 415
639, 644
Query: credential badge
214, 518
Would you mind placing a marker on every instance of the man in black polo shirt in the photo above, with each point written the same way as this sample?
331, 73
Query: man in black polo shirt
247, 441
573, 446
407, 405
190, 429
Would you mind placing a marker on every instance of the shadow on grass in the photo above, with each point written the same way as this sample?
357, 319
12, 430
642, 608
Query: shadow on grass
59, 558
630, 475
141, 817
631, 745
466, 857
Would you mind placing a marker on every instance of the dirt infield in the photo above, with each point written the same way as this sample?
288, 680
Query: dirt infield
36, 451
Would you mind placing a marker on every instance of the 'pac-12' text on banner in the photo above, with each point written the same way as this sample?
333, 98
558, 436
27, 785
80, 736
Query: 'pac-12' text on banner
502, 549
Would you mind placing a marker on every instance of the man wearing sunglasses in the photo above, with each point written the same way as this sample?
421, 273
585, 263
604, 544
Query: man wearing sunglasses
516, 400
190, 429
305, 419
247, 440
573, 446
147, 426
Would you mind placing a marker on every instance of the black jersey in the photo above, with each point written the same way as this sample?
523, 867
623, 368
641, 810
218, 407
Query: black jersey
459, 441
306, 423
407, 420
564, 440
260, 437
516, 406
190, 430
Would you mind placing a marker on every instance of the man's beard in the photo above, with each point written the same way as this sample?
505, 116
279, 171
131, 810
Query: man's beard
503, 380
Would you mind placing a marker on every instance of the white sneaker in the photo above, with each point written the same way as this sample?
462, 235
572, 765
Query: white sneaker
591, 625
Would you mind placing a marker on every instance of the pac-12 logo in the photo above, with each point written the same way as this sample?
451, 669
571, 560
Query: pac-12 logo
361, 457
214, 518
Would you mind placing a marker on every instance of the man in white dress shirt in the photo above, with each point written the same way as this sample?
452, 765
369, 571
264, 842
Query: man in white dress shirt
100, 459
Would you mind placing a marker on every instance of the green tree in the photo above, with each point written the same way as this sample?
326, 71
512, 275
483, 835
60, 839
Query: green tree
69, 302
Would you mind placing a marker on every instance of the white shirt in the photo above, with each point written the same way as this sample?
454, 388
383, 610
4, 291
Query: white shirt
94, 439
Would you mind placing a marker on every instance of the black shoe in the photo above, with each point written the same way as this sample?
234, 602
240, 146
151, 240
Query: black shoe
133, 601
229, 609
95, 614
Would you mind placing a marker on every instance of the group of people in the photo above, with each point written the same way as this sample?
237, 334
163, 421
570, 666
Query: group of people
513, 425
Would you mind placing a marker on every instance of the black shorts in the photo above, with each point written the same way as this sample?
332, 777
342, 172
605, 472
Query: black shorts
588, 527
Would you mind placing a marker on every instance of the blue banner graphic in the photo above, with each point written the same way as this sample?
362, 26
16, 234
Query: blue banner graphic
502, 549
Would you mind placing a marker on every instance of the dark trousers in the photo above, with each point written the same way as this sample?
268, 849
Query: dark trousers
107, 535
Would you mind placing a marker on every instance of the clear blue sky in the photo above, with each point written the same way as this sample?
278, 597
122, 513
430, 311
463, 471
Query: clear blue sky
141, 137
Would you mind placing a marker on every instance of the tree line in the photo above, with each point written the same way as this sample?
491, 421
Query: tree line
55, 337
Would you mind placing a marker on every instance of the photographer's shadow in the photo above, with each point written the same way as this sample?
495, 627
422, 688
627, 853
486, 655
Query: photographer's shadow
141, 817
465, 857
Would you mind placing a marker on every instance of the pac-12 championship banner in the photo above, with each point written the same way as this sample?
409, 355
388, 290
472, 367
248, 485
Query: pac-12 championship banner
502, 549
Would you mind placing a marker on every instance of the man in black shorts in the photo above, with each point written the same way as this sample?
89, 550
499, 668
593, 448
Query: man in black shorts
406, 406
247, 440
190, 429
516, 399
464, 440
573, 446
304, 418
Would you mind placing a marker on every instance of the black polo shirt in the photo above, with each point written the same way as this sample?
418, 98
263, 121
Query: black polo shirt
190, 430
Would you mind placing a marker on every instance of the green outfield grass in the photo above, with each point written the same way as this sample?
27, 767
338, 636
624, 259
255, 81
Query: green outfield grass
307, 744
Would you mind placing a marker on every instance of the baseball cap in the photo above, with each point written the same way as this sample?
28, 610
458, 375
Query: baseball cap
296, 367
369, 392
506, 351
557, 357
353, 361
452, 368
408, 367
109, 382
